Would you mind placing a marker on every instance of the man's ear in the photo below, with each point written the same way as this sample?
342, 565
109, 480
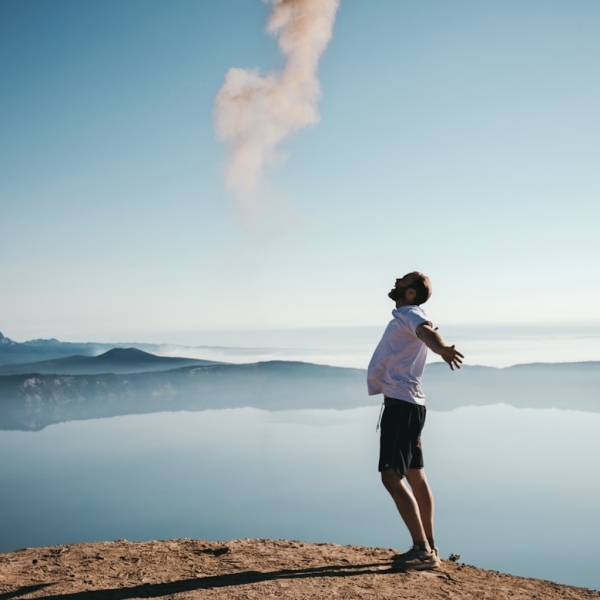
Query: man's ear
410, 293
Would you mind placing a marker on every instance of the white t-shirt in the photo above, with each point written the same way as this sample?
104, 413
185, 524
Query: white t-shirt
398, 362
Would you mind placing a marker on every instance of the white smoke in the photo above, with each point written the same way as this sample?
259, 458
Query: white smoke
253, 114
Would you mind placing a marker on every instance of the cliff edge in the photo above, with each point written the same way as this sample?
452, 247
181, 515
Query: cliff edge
249, 568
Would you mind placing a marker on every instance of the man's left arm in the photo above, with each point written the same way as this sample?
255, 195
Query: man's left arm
435, 342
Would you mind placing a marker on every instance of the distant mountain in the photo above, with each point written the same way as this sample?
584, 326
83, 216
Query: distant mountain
568, 386
5, 341
116, 360
41, 350
31, 402
12, 353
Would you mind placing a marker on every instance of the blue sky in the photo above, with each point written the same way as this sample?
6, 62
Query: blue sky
458, 138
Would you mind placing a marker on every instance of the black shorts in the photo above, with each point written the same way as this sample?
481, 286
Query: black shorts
400, 442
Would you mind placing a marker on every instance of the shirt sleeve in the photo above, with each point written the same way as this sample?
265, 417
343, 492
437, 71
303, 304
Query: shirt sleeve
415, 317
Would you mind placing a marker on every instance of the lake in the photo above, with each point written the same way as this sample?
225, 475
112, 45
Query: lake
516, 490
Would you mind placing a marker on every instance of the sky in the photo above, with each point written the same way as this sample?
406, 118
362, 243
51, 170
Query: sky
457, 138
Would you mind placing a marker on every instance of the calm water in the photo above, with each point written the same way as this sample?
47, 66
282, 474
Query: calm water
517, 490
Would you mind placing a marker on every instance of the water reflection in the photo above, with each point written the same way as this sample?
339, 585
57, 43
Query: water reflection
512, 486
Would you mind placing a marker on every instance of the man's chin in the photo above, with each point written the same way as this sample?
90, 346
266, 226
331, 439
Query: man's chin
393, 294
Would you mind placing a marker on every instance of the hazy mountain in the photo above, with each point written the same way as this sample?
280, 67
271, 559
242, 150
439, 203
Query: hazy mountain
41, 350
32, 401
570, 386
5, 341
12, 353
116, 360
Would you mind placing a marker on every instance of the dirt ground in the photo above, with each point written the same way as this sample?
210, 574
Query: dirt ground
250, 569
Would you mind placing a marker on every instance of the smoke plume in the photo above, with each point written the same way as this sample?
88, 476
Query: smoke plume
253, 114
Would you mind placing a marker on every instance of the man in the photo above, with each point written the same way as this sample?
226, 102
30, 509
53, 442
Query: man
395, 371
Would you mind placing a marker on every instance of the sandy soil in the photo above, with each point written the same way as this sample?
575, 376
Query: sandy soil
250, 569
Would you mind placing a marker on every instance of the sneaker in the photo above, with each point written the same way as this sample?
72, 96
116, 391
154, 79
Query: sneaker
400, 556
417, 559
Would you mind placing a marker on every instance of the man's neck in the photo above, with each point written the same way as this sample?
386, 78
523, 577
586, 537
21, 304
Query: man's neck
401, 303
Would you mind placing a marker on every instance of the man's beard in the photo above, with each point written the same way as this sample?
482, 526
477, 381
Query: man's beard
397, 293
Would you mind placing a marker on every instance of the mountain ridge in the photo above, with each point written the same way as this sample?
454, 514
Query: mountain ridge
117, 360
33, 401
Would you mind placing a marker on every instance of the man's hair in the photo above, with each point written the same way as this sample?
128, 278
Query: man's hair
422, 285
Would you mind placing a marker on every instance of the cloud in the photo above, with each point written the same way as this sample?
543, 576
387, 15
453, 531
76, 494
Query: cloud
254, 114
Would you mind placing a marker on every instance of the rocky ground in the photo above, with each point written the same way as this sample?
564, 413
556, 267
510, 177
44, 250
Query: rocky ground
258, 569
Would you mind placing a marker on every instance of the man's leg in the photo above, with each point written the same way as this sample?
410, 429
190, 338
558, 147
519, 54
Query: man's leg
400, 452
421, 556
406, 504
424, 498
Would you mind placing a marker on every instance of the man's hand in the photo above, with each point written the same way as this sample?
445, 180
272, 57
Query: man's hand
452, 356
435, 342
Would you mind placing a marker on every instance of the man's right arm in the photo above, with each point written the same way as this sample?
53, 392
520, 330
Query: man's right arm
435, 342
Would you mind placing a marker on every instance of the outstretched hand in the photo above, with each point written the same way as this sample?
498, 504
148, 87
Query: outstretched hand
452, 356
435, 342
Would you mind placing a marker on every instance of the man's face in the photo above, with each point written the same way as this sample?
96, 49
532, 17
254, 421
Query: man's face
398, 292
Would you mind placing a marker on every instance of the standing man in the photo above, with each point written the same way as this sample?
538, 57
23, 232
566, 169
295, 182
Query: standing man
395, 371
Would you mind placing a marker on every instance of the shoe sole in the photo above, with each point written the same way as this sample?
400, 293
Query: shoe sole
423, 567
400, 566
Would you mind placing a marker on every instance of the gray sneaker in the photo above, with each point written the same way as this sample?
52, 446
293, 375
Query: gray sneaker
417, 559
400, 556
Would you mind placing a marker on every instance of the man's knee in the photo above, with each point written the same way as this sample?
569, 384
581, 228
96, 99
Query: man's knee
390, 478
416, 477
